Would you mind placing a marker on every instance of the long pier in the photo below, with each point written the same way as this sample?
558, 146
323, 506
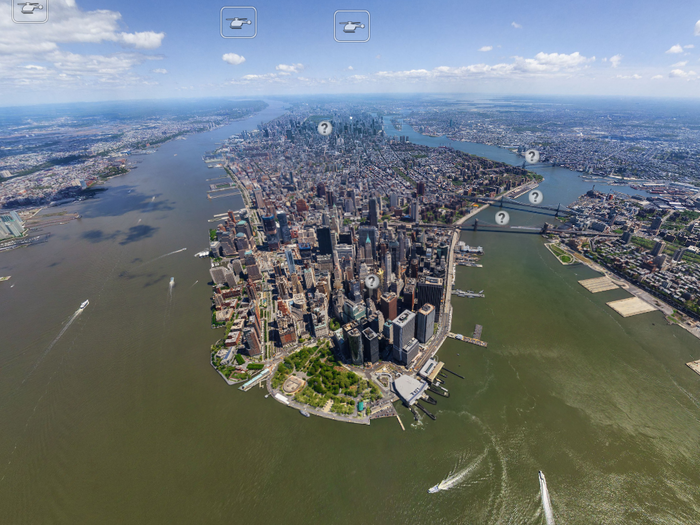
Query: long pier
466, 339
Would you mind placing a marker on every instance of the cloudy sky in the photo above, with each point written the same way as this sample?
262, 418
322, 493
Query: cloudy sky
125, 49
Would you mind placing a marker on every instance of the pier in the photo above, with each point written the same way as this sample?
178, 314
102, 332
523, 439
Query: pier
453, 373
466, 339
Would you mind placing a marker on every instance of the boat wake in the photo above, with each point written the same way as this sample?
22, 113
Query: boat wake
161, 256
455, 478
546, 502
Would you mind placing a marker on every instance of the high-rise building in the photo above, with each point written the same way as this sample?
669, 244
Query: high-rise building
356, 347
425, 323
656, 224
286, 235
388, 304
326, 241
658, 248
289, 254
371, 345
373, 212
251, 338
429, 290
420, 188
415, 211
321, 189
404, 329
218, 274
408, 353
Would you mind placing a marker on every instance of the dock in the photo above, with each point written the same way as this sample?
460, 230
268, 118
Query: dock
631, 306
466, 339
401, 423
598, 284
477, 331
255, 380
694, 366
453, 373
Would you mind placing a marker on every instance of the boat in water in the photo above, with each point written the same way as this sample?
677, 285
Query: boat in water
84, 304
304, 413
202, 254
433, 490
172, 281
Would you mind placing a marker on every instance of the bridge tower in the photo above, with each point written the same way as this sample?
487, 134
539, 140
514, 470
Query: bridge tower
557, 214
501, 206
476, 224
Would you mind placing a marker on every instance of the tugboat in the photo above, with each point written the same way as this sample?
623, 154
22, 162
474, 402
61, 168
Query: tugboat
84, 304
304, 413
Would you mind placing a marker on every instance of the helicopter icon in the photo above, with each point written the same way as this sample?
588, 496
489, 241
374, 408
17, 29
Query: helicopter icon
351, 26
29, 7
237, 23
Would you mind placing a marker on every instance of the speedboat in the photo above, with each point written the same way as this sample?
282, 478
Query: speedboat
84, 304
304, 413
433, 490
172, 281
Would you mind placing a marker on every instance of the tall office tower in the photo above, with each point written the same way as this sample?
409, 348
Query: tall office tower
658, 248
325, 241
330, 198
394, 200
368, 249
402, 248
387, 271
656, 224
309, 278
237, 266
321, 189
371, 345
420, 188
369, 231
429, 290
218, 274
269, 224
251, 338
302, 207
388, 304
404, 329
415, 211
286, 236
289, 254
259, 200
373, 212
678, 255
232, 217
425, 323
325, 220
356, 347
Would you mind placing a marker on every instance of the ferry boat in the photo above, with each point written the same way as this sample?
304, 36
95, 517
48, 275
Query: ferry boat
304, 413
84, 304
202, 254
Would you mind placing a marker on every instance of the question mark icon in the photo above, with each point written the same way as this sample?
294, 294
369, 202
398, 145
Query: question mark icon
532, 156
372, 281
535, 196
502, 218
325, 128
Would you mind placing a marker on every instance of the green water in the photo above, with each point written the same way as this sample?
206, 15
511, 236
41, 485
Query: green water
123, 420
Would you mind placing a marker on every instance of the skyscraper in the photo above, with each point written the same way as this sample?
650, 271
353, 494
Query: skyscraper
426, 323
371, 345
404, 329
290, 260
286, 235
325, 241
415, 211
429, 290
373, 212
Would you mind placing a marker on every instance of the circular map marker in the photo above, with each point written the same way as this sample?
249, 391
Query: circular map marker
325, 128
372, 282
532, 156
535, 197
502, 218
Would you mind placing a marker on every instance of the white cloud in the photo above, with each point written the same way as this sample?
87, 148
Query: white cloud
679, 73
689, 46
160, 71
350, 68
615, 60
378, 57
633, 77
516, 25
675, 49
697, 28
657, 77
233, 59
680, 64
70, 25
486, 48
289, 68
145, 40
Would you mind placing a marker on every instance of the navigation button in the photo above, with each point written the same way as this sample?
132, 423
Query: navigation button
351, 25
238, 22
30, 12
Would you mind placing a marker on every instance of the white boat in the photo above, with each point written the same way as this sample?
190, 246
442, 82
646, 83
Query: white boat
172, 281
84, 304
202, 254
304, 413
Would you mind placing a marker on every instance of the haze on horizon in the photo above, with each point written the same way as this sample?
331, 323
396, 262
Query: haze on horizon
97, 50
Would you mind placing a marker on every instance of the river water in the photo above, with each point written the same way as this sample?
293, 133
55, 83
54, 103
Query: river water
114, 415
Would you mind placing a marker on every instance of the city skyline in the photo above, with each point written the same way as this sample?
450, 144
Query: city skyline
96, 51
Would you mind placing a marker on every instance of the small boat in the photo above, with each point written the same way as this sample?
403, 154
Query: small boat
172, 281
267, 395
433, 490
304, 413
84, 304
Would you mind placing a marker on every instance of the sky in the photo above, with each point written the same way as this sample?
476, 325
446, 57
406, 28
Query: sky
92, 50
